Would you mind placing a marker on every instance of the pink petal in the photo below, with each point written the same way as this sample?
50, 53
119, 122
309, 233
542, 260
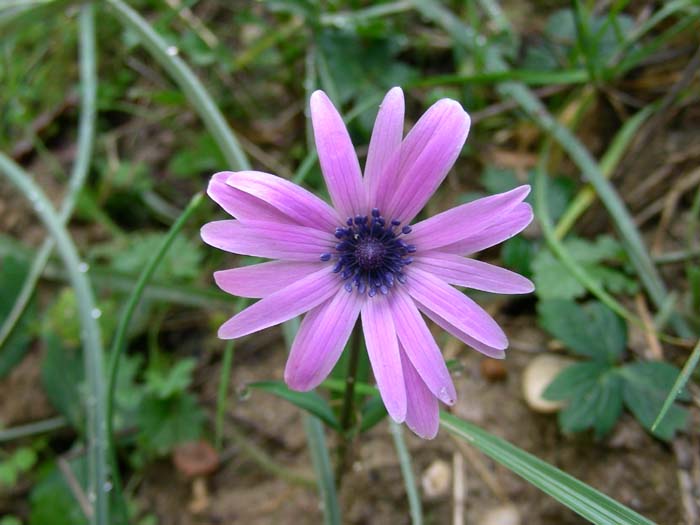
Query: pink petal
455, 307
490, 351
420, 347
427, 154
300, 205
336, 154
384, 144
282, 305
320, 341
268, 239
261, 280
383, 351
457, 223
240, 204
509, 226
422, 409
471, 273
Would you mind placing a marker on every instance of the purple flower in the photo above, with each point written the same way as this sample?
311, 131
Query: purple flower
363, 258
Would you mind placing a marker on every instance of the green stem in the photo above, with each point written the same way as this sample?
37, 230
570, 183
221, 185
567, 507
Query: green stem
31, 429
348, 408
414, 503
86, 139
118, 342
90, 330
198, 96
222, 394
322, 466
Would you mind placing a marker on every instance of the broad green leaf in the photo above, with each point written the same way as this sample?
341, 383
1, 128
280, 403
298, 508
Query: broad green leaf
598, 408
12, 274
591, 330
575, 380
308, 401
554, 281
646, 385
594, 393
583, 499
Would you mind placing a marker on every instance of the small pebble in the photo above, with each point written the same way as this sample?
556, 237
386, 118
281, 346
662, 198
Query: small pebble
493, 370
537, 376
503, 515
436, 479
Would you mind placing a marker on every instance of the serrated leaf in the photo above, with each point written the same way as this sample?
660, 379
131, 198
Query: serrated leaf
646, 385
311, 402
575, 380
12, 275
554, 281
182, 262
591, 330
167, 382
599, 407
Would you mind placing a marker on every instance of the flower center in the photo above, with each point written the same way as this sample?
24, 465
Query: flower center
370, 255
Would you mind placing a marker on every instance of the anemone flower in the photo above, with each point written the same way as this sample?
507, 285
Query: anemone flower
362, 257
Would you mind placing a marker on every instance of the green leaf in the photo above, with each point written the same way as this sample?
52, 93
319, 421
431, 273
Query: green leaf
517, 254
62, 376
12, 275
678, 385
592, 330
165, 383
181, 263
646, 385
598, 408
594, 393
583, 499
309, 401
575, 380
554, 281
165, 423
51, 500
373, 411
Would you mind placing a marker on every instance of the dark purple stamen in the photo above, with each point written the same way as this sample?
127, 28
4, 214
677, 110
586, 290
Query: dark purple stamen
369, 254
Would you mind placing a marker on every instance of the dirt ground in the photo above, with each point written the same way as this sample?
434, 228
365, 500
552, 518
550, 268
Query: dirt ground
629, 465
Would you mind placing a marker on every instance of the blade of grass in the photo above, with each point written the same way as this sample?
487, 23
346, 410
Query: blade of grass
188, 82
543, 78
560, 251
90, 330
409, 480
586, 196
118, 343
86, 139
678, 386
576, 495
32, 429
320, 459
222, 393
322, 466
578, 153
